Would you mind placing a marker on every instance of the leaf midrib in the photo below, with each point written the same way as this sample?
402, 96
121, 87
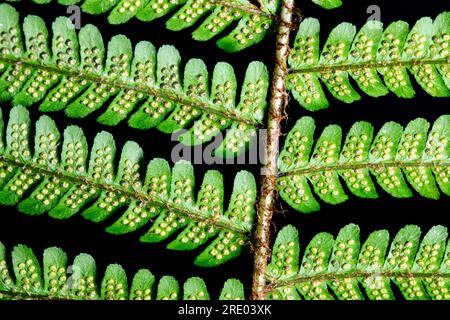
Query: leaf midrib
323, 68
150, 90
365, 165
16, 293
196, 215
356, 274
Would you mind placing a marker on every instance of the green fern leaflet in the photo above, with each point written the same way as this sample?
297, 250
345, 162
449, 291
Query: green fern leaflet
63, 185
55, 279
343, 269
416, 152
423, 51
78, 75
253, 22
250, 23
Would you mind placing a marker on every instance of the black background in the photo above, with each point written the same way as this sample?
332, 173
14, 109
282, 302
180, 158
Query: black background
77, 235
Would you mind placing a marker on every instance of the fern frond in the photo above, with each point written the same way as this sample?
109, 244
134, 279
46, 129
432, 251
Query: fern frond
60, 182
78, 75
343, 269
423, 52
420, 155
250, 23
55, 279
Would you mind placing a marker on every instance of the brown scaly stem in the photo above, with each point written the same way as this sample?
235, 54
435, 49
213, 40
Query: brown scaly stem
278, 102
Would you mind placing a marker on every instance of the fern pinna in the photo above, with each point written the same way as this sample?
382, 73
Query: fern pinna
55, 279
423, 51
343, 269
63, 185
78, 75
416, 153
255, 21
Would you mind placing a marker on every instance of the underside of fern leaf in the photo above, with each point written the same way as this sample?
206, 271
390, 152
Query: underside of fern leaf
422, 51
43, 181
55, 279
250, 23
343, 269
78, 75
416, 153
